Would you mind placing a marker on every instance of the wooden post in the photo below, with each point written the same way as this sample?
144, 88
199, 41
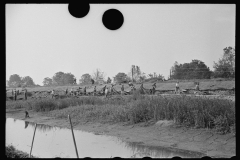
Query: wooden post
73, 136
33, 140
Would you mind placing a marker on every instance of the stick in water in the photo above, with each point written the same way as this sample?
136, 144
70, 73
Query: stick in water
33, 140
73, 136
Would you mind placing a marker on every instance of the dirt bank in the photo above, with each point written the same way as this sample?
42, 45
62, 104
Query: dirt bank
151, 134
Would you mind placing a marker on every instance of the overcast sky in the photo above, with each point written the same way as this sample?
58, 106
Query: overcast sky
42, 39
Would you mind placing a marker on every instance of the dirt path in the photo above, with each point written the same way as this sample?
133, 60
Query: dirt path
164, 134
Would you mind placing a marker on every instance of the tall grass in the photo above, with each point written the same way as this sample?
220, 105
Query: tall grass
196, 112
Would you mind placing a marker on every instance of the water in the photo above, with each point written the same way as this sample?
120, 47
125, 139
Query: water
50, 142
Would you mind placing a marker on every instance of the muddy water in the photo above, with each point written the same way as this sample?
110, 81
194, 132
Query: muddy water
53, 142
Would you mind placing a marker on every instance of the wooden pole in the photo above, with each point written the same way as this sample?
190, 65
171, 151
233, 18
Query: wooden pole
73, 136
33, 140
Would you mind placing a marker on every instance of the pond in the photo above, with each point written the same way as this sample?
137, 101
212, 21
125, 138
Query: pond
50, 142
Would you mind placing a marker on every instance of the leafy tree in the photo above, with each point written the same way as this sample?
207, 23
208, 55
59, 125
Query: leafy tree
225, 67
85, 79
98, 75
135, 73
27, 81
109, 80
57, 78
47, 81
193, 70
14, 80
150, 75
68, 78
120, 77
61, 78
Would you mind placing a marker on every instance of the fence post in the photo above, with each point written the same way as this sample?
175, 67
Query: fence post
33, 140
73, 136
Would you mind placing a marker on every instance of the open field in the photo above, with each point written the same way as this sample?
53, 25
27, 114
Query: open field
166, 85
161, 86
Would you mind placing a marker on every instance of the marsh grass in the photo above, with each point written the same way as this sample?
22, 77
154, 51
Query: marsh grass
198, 112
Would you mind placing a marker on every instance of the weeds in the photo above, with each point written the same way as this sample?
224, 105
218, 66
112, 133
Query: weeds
196, 112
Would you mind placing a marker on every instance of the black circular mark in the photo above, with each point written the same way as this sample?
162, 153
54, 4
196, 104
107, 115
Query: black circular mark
78, 10
112, 19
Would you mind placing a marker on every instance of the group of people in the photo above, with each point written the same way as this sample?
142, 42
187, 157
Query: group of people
15, 93
177, 89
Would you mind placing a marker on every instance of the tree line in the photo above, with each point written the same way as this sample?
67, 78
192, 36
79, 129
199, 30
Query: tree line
224, 68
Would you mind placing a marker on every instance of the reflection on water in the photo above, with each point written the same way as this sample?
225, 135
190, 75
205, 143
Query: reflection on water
53, 142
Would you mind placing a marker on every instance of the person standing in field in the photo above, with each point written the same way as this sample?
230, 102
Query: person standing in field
52, 93
111, 89
15, 95
85, 90
197, 86
141, 89
25, 94
66, 92
71, 91
94, 91
154, 88
177, 87
106, 92
104, 88
122, 89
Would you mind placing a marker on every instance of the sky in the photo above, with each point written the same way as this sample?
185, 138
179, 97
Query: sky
43, 39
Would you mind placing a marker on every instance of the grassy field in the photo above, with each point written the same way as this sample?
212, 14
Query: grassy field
195, 112
167, 85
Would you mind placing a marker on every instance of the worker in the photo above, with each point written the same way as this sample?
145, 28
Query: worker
15, 95
104, 88
85, 90
71, 91
154, 88
197, 86
25, 94
122, 90
94, 91
66, 92
141, 89
52, 93
106, 92
177, 87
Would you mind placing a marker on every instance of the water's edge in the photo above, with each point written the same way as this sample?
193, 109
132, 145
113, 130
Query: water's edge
141, 149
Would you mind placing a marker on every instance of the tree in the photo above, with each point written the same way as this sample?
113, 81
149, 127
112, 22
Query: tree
150, 75
225, 67
47, 81
98, 75
160, 76
14, 80
68, 78
61, 78
57, 78
109, 80
85, 79
193, 70
27, 81
120, 78
135, 73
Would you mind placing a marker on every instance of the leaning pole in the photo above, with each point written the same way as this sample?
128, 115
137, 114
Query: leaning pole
73, 136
